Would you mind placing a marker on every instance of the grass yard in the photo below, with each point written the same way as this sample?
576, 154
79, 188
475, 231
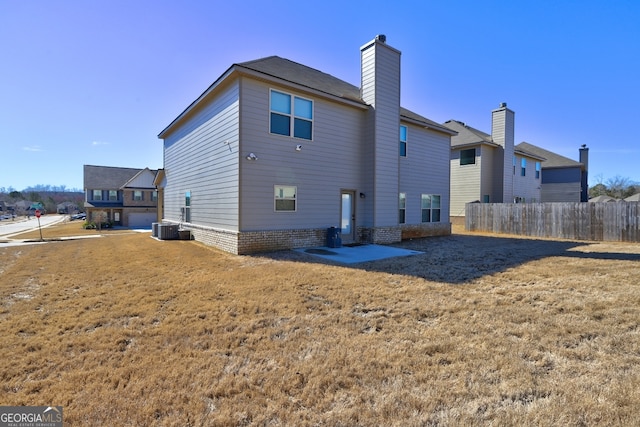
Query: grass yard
125, 330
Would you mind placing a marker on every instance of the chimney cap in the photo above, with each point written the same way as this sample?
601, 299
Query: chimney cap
382, 38
503, 105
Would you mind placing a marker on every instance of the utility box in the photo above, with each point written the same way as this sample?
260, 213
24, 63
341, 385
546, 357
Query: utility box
168, 231
334, 240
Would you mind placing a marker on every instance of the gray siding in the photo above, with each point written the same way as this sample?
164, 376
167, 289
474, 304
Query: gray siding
527, 187
487, 162
197, 159
465, 181
330, 162
425, 170
561, 192
381, 89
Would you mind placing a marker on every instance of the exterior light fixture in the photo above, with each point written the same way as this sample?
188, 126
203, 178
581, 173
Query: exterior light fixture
251, 156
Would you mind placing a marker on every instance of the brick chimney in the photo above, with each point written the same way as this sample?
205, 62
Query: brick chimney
502, 133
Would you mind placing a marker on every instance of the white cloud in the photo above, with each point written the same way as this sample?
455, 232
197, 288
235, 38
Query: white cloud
96, 143
33, 148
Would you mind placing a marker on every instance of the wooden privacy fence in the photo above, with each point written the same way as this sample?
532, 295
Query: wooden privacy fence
610, 221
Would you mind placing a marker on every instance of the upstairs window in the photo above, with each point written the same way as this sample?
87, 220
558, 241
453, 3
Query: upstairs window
538, 167
113, 195
430, 205
403, 141
291, 115
523, 167
97, 195
154, 196
468, 157
402, 208
285, 198
137, 195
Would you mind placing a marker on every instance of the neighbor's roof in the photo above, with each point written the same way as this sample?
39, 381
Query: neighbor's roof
553, 160
108, 177
468, 135
294, 73
634, 198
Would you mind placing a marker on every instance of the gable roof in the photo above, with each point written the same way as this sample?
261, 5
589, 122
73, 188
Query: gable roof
553, 160
293, 73
468, 135
109, 177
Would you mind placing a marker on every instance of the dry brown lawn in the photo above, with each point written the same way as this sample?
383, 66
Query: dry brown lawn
125, 330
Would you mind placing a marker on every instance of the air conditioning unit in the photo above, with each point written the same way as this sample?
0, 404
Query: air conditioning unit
167, 231
154, 229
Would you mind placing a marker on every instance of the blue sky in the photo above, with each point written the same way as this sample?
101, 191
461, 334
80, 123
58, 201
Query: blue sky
94, 82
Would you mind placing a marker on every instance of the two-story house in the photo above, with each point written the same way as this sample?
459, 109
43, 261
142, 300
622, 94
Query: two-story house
563, 179
274, 153
490, 168
120, 196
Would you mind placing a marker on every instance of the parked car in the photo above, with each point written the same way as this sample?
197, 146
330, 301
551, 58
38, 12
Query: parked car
7, 216
79, 216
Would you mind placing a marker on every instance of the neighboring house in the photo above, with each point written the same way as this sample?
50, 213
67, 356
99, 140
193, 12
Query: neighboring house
634, 198
121, 196
563, 179
602, 199
67, 208
489, 168
274, 153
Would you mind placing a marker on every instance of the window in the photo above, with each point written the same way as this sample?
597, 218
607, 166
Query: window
538, 166
403, 141
186, 209
486, 198
430, 205
113, 195
515, 162
291, 115
97, 194
523, 167
402, 208
468, 157
285, 198
154, 196
137, 195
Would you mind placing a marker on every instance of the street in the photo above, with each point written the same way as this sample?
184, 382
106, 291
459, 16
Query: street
19, 225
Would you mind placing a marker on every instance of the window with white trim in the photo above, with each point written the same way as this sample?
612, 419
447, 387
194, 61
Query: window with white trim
137, 195
97, 195
186, 209
538, 168
430, 205
291, 115
402, 208
285, 198
523, 167
113, 195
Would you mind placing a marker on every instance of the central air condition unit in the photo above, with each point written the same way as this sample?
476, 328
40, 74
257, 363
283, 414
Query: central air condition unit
167, 231
154, 229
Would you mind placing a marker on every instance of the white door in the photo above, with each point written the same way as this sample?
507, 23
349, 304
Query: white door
347, 217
